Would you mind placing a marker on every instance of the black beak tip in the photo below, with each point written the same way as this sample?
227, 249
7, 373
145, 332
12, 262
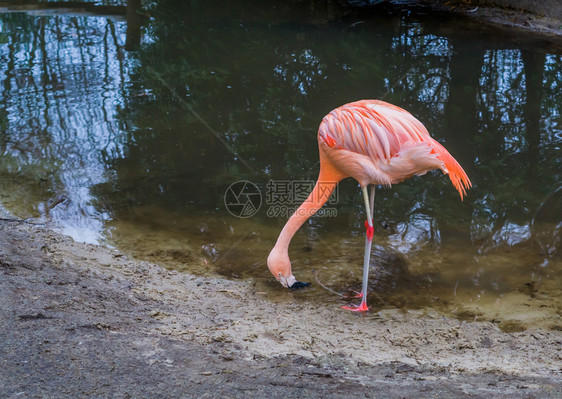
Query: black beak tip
298, 285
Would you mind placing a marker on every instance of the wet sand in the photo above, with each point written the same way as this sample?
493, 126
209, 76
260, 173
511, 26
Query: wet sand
85, 320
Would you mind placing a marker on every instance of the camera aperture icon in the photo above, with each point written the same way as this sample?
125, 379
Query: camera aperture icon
242, 199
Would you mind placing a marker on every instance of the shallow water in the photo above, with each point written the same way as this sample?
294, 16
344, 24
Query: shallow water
136, 146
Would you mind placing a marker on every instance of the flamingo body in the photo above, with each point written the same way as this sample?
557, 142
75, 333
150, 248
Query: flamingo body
376, 143
379, 143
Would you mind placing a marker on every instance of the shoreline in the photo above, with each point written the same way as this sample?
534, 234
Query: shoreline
72, 313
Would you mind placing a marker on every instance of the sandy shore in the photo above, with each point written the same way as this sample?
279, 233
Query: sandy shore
84, 320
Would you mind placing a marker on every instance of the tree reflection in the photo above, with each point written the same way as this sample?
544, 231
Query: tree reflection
63, 77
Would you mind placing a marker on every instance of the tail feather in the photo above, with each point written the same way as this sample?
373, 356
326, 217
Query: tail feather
456, 173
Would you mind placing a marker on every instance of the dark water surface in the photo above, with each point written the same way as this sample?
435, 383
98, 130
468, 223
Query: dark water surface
135, 145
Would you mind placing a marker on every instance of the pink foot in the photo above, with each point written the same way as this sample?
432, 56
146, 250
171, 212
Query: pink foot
357, 308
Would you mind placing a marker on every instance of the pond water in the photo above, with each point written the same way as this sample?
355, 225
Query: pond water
130, 134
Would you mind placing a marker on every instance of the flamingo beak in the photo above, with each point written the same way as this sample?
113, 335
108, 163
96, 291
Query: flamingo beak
298, 285
292, 283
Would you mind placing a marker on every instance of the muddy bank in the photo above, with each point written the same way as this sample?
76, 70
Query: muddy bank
83, 320
544, 17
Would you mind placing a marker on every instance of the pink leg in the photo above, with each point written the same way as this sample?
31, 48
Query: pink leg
366, 260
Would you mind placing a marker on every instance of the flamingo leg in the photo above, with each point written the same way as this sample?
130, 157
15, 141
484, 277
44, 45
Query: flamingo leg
369, 207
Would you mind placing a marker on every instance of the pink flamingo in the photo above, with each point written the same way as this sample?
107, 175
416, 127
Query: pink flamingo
375, 143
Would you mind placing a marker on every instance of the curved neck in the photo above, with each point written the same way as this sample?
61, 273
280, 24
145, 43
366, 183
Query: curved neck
327, 182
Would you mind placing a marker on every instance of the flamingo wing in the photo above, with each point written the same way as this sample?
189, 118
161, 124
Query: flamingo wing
380, 143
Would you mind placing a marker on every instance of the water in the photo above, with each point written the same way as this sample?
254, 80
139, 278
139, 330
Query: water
134, 146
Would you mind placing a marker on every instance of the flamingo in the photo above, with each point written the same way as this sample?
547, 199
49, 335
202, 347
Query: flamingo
376, 143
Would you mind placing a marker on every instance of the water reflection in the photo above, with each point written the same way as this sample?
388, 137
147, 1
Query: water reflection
64, 82
129, 147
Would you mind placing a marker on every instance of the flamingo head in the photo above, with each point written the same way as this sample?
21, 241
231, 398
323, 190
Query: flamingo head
279, 265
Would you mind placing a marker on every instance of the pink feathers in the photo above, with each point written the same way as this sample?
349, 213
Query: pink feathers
378, 143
